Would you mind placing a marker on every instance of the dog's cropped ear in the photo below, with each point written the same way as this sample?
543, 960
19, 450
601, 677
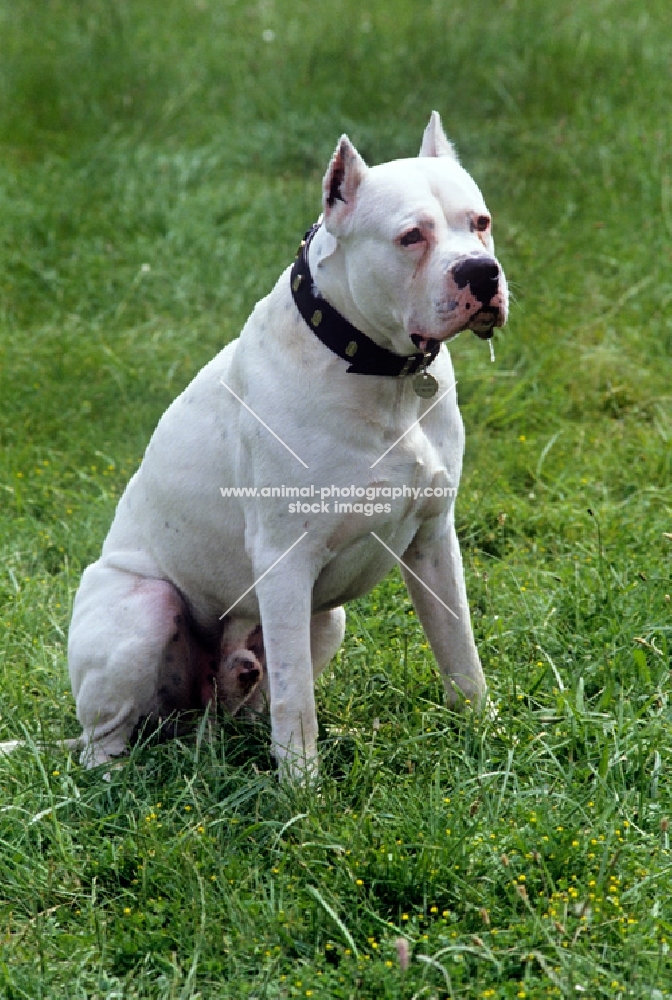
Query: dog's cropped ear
339, 187
434, 141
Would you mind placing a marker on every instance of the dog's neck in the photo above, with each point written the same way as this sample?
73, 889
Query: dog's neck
327, 266
335, 320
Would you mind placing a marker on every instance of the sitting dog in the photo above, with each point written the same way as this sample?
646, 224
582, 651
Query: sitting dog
211, 585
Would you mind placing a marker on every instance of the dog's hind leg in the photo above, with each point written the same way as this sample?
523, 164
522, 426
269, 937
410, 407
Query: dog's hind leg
129, 657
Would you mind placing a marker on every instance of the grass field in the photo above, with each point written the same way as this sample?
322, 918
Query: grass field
159, 162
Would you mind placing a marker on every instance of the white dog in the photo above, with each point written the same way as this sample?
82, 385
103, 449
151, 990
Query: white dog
201, 594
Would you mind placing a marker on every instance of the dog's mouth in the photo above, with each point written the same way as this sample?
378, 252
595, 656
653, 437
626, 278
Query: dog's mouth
484, 322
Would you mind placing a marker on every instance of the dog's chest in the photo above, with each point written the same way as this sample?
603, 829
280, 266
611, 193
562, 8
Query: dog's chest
370, 527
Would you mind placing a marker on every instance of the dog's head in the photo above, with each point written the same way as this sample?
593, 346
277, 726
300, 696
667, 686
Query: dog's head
414, 238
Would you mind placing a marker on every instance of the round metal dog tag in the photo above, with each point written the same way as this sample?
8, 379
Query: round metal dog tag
425, 385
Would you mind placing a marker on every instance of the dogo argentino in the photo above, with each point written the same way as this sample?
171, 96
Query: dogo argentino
328, 383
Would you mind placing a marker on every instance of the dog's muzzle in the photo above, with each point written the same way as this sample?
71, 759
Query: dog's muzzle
479, 286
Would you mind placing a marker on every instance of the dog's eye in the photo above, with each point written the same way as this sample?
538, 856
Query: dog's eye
481, 223
412, 236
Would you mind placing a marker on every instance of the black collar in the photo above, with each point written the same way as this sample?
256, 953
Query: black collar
340, 336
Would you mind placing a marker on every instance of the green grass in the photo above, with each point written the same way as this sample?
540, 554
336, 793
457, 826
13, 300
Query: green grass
158, 164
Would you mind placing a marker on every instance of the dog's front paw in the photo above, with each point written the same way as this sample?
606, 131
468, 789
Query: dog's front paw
467, 690
297, 765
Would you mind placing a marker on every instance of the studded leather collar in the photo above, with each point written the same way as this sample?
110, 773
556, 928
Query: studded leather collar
340, 336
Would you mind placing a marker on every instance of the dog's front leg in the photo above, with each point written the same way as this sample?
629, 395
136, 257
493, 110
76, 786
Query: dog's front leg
285, 607
439, 596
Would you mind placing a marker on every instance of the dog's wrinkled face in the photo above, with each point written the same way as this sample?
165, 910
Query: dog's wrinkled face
416, 236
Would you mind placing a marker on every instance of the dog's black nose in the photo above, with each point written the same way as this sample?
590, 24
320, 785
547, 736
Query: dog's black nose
482, 276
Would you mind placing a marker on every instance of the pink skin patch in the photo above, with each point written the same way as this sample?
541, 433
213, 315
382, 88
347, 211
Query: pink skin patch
459, 307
